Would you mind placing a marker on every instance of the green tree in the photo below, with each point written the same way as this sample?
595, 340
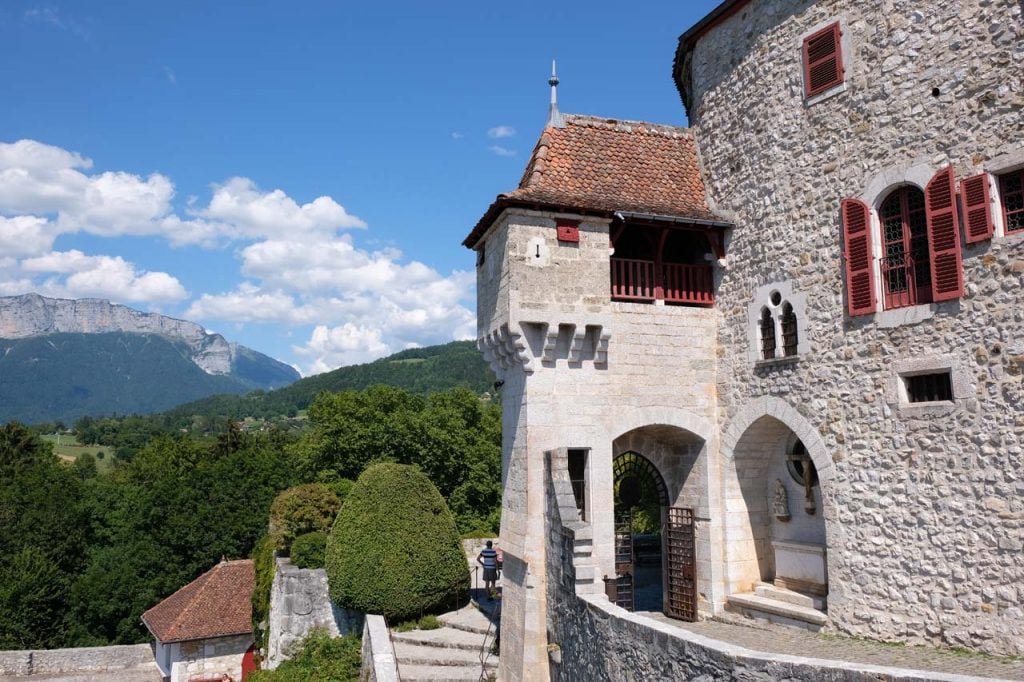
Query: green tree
303, 509
395, 549
33, 598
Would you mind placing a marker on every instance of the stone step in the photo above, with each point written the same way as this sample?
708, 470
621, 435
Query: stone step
586, 572
440, 673
428, 654
442, 637
789, 596
468, 619
783, 613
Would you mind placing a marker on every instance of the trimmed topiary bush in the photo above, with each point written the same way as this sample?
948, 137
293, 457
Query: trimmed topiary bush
308, 550
303, 509
395, 549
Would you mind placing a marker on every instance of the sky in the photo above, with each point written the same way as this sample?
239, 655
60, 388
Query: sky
295, 176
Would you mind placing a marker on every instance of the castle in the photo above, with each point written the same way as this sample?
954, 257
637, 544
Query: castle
772, 365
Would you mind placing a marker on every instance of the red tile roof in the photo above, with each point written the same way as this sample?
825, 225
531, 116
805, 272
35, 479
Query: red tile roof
216, 604
596, 165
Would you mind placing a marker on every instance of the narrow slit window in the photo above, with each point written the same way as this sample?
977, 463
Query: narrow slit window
929, 388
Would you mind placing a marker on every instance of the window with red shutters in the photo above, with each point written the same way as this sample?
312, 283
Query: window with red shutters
823, 60
906, 263
1011, 191
860, 270
944, 236
977, 209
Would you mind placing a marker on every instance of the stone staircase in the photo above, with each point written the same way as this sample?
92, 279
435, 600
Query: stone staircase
460, 650
587, 579
781, 606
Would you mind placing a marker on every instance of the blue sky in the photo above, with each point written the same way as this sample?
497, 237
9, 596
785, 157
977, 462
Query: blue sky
296, 176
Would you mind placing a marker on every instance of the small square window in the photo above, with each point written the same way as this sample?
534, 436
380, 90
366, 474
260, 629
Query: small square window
929, 388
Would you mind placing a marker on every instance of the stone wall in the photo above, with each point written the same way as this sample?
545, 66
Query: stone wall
299, 602
926, 544
208, 658
379, 662
79, 660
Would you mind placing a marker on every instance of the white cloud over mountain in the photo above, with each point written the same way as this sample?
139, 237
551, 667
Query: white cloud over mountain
297, 267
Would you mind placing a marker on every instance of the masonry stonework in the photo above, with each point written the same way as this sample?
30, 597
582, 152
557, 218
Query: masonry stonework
929, 497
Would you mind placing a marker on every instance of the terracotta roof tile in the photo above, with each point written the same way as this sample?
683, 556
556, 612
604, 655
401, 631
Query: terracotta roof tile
216, 604
605, 165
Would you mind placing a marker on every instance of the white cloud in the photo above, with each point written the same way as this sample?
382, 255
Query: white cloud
102, 277
53, 17
498, 132
346, 292
346, 344
502, 151
171, 77
238, 202
457, 135
26, 235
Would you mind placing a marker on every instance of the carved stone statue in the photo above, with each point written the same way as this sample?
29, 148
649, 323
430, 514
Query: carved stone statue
780, 501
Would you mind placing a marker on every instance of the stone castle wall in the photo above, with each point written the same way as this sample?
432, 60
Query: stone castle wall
79, 660
929, 501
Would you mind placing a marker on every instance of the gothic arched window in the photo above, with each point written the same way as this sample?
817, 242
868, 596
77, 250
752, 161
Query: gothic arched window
789, 331
767, 326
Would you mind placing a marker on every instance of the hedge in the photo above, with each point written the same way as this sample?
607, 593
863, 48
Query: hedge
308, 550
394, 548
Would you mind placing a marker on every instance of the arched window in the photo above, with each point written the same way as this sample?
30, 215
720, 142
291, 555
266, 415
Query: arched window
767, 326
789, 331
906, 269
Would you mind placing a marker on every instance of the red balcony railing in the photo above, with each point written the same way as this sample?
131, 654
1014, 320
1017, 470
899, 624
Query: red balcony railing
641, 280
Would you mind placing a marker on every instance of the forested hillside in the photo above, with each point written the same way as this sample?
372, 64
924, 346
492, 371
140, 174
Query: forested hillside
417, 370
66, 376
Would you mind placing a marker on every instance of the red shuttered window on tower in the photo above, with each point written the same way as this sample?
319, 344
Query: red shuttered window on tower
977, 209
860, 270
823, 60
944, 236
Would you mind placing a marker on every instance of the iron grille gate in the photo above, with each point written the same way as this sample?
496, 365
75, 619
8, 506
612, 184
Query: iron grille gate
680, 545
620, 588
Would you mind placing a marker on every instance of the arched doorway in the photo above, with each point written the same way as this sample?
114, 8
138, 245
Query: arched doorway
655, 544
640, 497
775, 534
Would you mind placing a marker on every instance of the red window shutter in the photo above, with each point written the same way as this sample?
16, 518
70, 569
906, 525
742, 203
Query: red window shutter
944, 236
823, 60
567, 230
860, 270
977, 209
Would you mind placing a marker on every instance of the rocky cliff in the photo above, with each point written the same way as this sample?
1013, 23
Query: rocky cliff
34, 315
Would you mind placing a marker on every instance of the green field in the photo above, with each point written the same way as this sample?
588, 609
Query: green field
68, 449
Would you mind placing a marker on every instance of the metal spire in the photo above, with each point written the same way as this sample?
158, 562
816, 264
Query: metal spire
555, 119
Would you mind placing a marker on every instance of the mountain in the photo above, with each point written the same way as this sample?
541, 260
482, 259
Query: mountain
62, 359
419, 370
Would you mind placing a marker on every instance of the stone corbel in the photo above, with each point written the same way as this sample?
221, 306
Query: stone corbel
579, 335
601, 348
550, 342
503, 348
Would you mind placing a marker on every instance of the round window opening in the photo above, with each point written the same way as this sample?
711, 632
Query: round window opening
776, 298
800, 466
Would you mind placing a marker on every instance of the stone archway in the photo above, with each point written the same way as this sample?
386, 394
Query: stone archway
676, 460
778, 503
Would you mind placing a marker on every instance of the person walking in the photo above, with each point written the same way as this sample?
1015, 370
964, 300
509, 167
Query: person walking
488, 558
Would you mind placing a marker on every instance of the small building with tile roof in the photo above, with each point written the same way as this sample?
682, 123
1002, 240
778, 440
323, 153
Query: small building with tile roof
204, 630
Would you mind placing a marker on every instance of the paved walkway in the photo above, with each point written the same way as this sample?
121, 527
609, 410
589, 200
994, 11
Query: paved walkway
779, 639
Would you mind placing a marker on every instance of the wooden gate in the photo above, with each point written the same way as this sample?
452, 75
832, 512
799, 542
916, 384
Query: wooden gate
681, 564
620, 588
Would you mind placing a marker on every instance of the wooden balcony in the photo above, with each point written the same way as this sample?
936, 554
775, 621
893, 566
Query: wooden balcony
645, 281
